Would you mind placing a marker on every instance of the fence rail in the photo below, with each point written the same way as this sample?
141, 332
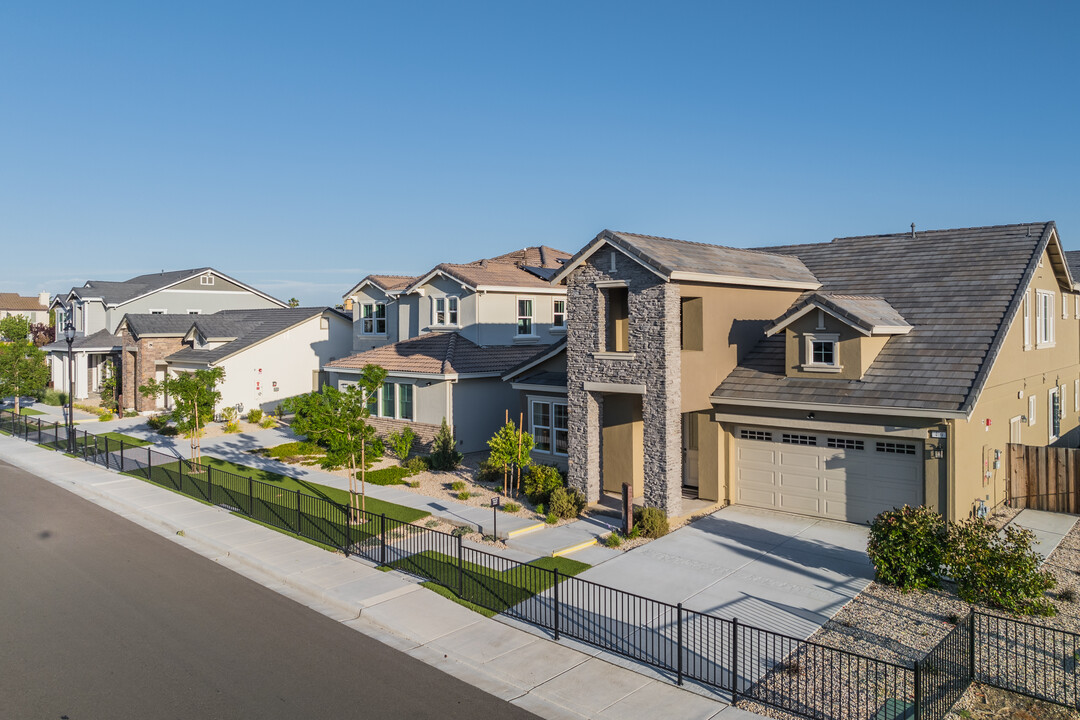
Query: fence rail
1044, 478
798, 676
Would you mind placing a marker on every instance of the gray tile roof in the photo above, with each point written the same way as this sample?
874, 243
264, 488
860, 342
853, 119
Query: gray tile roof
250, 326
1072, 258
114, 293
442, 353
667, 256
157, 324
959, 289
101, 340
554, 380
868, 313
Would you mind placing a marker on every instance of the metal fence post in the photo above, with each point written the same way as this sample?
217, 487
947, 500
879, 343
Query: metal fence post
382, 536
122, 444
971, 645
678, 662
38, 431
556, 623
149, 464
734, 660
918, 690
460, 567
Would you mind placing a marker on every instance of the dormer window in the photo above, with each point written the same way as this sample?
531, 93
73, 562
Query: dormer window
206, 279
822, 352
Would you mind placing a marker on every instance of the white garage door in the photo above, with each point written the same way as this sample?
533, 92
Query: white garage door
841, 477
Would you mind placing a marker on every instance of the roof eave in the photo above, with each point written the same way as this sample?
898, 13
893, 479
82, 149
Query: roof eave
928, 413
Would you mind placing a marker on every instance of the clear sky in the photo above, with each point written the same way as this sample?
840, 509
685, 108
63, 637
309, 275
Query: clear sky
299, 146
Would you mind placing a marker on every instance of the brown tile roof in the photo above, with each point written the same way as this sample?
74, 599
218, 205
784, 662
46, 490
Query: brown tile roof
528, 267
14, 301
958, 289
440, 354
391, 282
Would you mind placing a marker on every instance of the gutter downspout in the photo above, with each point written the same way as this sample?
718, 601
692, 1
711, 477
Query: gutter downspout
950, 475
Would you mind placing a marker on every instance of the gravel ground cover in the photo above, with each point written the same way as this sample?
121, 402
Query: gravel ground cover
889, 625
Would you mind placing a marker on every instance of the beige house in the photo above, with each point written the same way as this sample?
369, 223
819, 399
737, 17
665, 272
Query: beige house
834, 380
35, 309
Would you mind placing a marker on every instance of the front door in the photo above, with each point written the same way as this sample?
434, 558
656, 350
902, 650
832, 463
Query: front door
690, 449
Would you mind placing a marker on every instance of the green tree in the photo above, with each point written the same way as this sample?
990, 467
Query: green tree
444, 453
194, 396
23, 370
293, 302
108, 386
337, 421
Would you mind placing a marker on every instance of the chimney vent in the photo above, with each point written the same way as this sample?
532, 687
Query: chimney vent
912, 231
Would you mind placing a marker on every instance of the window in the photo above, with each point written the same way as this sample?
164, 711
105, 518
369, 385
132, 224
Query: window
444, 311
373, 403
558, 313
822, 352
1027, 320
550, 426
691, 323
1053, 406
844, 444
159, 312
387, 400
616, 319
1044, 319
896, 448
206, 279
405, 392
792, 439
524, 316
1076, 396
1063, 393
1031, 410
373, 319
754, 435
194, 312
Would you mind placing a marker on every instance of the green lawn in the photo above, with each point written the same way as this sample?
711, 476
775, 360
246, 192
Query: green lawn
29, 411
341, 497
493, 590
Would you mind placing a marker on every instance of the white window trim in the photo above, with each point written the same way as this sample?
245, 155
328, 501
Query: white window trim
1032, 409
1063, 392
1050, 394
518, 317
374, 319
158, 311
558, 328
447, 301
207, 279
809, 364
1027, 320
551, 402
194, 312
397, 401
1048, 341
1076, 396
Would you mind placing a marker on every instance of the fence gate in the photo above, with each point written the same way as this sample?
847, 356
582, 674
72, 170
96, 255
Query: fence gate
1044, 478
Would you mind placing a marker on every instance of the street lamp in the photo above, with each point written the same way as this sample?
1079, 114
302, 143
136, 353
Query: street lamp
69, 335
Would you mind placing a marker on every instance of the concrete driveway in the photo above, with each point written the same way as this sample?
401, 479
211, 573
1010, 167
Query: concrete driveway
784, 573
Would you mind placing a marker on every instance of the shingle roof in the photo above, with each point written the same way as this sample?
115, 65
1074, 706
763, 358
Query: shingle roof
249, 327
14, 301
157, 324
101, 340
1072, 258
959, 289
439, 354
669, 258
868, 313
116, 293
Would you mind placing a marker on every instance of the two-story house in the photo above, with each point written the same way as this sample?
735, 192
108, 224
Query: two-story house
35, 309
835, 380
96, 309
446, 338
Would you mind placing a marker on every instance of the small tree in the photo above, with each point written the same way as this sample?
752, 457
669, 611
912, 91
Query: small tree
23, 370
401, 443
444, 454
194, 396
293, 302
337, 421
511, 448
108, 387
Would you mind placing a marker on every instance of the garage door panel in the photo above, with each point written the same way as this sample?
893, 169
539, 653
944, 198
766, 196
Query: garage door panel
852, 480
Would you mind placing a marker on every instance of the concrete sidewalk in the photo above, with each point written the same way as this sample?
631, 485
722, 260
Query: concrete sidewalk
554, 680
1048, 528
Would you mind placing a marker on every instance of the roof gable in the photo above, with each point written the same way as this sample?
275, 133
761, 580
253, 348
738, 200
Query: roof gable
868, 314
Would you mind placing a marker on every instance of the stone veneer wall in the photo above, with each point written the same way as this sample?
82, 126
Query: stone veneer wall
425, 433
141, 365
654, 341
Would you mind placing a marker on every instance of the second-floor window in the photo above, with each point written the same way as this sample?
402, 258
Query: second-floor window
373, 316
822, 351
525, 316
444, 311
616, 319
1044, 318
558, 313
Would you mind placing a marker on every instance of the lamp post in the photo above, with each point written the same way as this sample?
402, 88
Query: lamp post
69, 335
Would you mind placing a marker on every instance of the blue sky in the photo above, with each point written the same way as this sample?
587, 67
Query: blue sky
301, 146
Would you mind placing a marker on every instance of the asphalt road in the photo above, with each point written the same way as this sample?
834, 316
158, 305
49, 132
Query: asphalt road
100, 618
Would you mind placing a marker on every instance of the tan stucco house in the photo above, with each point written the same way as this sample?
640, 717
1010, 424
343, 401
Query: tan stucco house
835, 380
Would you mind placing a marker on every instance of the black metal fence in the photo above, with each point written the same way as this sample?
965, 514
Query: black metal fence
798, 676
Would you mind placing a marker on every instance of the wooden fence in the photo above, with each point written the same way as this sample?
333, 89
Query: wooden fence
1044, 478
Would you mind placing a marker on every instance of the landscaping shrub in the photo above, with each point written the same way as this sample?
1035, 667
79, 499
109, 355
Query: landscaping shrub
232, 420
540, 509
292, 452
267, 422
651, 522
551, 518
444, 454
565, 503
53, 397
460, 531
131, 413
386, 476
510, 507
457, 486
463, 496
169, 431
999, 570
489, 472
416, 465
539, 481
906, 547
401, 443
105, 417
158, 422
613, 540
254, 415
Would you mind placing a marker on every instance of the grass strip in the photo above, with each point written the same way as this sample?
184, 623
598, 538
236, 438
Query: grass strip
448, 593
495, 590
30, 411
